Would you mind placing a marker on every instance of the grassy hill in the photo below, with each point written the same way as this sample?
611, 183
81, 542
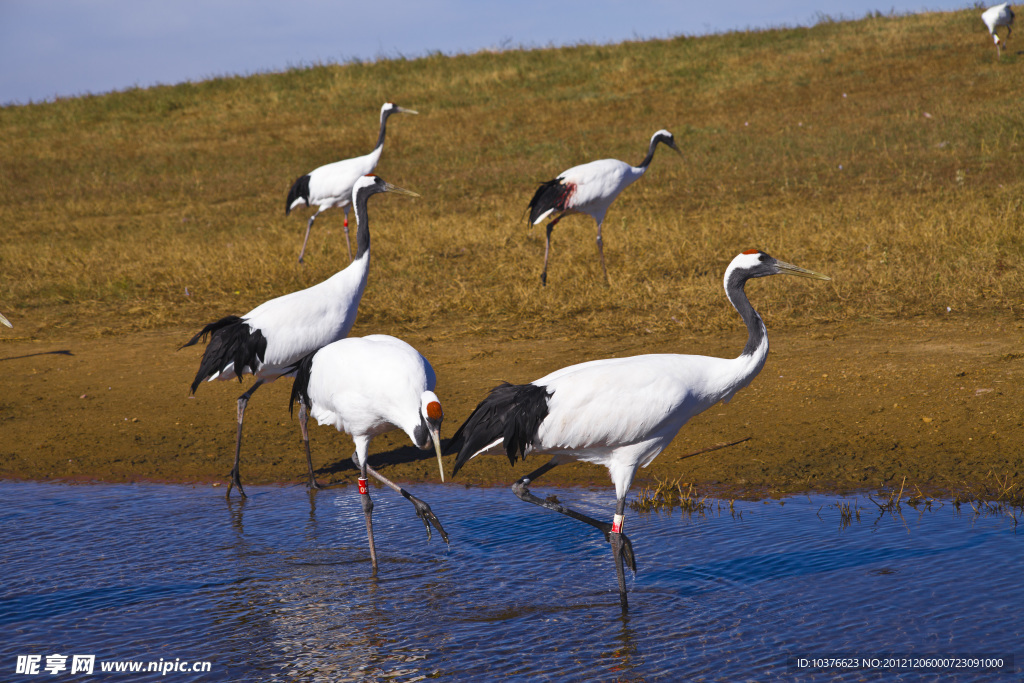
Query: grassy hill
887, 152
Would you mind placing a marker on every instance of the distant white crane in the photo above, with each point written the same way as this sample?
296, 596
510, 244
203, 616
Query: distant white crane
270, 339
589, 188
620, 412
367, 386
994, 17
331, 185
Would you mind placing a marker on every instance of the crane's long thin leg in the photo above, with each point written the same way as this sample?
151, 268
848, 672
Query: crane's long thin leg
600, 251
364, 495
617, 550
309, 226
422, 509
547, 250
348, 242
303, 418
520, 488
243, 401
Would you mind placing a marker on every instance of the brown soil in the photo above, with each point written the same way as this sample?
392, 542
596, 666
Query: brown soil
837, 408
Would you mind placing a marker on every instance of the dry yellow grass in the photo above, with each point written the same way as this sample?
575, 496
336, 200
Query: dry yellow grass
886, 152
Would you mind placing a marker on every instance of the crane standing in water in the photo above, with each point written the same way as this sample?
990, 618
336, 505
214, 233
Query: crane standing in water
367, 386
619, 413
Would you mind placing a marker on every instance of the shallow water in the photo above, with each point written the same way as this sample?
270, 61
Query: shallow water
278, 587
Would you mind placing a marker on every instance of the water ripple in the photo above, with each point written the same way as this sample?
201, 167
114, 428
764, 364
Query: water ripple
278, 588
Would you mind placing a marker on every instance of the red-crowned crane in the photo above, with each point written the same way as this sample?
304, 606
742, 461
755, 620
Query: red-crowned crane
331, 185
270, 339
367, 386
994, 17
590, 189
619, 412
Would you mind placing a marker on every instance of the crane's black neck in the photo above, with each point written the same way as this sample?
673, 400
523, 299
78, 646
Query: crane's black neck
383, 127
650, 154
756, 332
362, 222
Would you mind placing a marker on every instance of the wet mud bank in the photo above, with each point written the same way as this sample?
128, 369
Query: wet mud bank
836, 408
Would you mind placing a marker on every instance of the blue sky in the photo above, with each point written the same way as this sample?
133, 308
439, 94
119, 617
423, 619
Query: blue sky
54, 48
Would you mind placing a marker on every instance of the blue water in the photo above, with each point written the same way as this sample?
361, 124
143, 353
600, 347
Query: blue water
278, 587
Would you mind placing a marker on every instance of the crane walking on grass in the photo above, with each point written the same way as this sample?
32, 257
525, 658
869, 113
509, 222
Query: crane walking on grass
994, 17
619, 412
590, 189
367, 386
270, 339
331, 185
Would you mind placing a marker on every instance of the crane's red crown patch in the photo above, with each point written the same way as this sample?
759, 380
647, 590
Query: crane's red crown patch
751, 251
434, 410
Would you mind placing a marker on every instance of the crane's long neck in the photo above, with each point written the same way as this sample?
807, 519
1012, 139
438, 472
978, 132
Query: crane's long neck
362, 224
756, 350
650, 155
383, 129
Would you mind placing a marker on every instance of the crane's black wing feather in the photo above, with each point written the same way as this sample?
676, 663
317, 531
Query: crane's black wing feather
231, 341
553, 194
300, 190
300, 387
511, 412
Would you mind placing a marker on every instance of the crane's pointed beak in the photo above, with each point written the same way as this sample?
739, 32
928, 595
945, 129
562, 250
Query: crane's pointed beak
672, 144
435, 436
388, 187
403, 110
790, 269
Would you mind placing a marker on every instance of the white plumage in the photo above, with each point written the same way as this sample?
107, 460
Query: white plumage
367, 386
5, 321
307, 319
331, 185
621, 412
270, 339
590, 189
994, 17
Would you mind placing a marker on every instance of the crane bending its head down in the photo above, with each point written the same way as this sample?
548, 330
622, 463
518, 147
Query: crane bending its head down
619, 412
367, 386
994, 17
